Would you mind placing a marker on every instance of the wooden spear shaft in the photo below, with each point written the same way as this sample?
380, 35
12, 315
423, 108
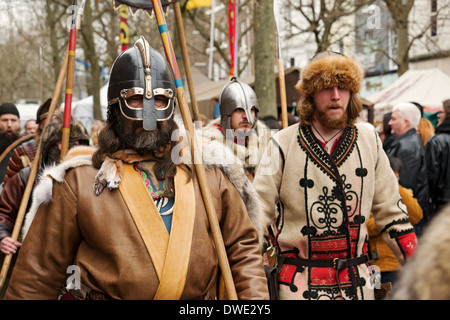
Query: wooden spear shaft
186, 61
33, 173
69, 85
196, 155
282, 83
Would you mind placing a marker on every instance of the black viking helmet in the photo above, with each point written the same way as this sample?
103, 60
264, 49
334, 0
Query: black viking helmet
237, 95
141, 70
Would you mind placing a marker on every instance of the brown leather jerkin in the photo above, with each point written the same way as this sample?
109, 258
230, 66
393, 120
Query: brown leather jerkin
169, 253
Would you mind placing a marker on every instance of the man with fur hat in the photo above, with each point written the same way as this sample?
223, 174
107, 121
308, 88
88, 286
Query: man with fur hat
238, 126
135, 225
9, 132
325, 175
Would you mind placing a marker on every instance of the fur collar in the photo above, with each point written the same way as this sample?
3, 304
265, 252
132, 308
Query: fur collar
249, 154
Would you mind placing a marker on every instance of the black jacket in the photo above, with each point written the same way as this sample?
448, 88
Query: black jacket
413, 173
438, 162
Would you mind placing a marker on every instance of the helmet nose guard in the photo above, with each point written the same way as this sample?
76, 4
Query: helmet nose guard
237, 95
141, 70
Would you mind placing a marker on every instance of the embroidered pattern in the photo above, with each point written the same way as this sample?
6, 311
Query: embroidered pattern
163, 204
309, 143
333, 220
324, 213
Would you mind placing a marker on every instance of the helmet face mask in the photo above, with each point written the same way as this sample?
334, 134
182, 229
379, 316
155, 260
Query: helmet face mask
141, 71
131, 103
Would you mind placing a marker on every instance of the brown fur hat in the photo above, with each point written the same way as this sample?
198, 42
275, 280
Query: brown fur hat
330, 71
326, 72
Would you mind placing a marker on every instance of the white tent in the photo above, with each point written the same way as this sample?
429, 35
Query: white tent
27, 112
83, 110
428, 87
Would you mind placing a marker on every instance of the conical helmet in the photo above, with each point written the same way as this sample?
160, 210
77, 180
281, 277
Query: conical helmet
237, 95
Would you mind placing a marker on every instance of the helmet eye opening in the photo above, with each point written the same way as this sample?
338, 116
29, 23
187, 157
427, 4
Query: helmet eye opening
133, 98
161, 102
163, 98
134, 102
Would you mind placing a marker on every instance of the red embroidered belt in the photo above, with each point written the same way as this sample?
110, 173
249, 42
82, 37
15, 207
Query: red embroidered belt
337, 264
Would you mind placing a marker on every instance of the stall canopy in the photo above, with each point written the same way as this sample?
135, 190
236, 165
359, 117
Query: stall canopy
428, 87
83, 109
206, 90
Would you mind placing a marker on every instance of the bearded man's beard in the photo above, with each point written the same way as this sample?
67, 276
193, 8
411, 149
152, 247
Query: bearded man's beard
146, 141
332, 123
15, 134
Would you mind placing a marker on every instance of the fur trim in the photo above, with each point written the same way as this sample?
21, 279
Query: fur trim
330, 71
215, 154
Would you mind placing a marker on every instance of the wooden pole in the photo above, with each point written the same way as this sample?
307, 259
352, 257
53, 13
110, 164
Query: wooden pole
196, 155
281, 79
33, 173
69, 84
186, 60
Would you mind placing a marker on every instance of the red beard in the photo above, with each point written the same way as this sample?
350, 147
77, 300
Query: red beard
332, 123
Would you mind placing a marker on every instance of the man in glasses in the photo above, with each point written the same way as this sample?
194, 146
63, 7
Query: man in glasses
319, 180
129, 223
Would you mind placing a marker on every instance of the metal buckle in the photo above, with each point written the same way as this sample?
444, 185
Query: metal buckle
339, 264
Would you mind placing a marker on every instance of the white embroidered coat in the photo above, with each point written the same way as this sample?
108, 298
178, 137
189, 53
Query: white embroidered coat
319, 204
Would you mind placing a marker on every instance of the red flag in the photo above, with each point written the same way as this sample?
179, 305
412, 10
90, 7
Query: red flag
232, 12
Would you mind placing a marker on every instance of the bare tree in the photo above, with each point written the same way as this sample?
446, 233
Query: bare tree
198, 20
319, 17
91, 55
264, 48
400, 11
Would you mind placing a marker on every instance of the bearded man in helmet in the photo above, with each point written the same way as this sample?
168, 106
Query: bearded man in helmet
134, 223
326, 174
238, 126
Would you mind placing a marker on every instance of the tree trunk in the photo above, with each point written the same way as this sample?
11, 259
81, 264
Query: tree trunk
264, 49
56, 58
87, 31
400, 11
402, 47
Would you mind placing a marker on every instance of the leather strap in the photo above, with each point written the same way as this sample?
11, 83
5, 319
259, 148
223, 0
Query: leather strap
337, 264
146, 216
177, 260
170, 254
